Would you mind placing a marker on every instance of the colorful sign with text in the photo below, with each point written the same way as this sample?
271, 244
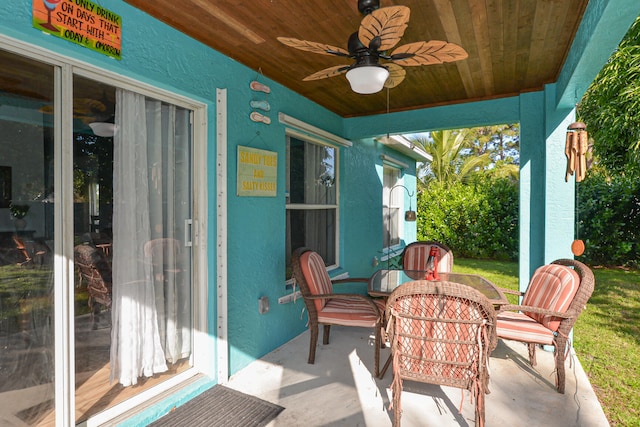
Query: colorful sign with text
257, 172
81, 22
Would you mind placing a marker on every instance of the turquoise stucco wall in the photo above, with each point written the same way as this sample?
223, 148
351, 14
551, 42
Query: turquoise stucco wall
361, 232
156, 54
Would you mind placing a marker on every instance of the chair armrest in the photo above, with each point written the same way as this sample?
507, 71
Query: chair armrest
348, 296
537, 310
350, 280
511, 292
344, 287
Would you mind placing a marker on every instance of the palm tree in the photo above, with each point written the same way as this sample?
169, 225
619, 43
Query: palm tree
452, 159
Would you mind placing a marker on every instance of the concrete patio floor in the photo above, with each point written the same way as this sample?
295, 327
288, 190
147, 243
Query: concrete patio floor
339, 389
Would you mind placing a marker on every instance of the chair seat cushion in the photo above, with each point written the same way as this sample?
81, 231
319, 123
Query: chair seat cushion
381, 303
520, 327
348, 312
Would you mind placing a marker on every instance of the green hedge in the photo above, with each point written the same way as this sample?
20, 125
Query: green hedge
609, 220
479, 220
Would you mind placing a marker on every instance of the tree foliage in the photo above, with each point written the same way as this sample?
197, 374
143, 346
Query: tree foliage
611, 108
501, 142
451, 160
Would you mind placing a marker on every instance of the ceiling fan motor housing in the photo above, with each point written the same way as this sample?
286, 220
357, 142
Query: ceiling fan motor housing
358, 50
367, 6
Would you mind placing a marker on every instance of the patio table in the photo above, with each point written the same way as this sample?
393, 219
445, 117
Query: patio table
384, 281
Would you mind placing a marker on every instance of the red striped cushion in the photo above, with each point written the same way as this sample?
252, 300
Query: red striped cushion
520, 327
552, 287
445, 262
381, 303
316, 275
416, 258
430, 345
348, 312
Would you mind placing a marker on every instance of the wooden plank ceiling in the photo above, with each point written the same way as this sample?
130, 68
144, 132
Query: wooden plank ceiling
514, 46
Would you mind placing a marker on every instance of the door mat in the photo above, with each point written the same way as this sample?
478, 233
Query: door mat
221, 406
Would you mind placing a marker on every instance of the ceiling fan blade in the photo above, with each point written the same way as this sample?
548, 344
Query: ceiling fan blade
428, 53
321, 48
89, 106
327, 72
383, 28
396, 75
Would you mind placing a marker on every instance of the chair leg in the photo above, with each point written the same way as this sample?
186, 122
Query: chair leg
480, 409
559, 352
325, 335
532, 354
95, 315
396, 389
376, 363
313, 341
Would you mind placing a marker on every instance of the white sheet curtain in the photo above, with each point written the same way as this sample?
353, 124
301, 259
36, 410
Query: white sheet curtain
151, 310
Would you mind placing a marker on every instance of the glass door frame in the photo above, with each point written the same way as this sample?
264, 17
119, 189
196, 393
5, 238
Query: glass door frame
65, 69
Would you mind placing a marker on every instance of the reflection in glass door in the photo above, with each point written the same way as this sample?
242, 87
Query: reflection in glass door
131, 198
26, 242
132, 210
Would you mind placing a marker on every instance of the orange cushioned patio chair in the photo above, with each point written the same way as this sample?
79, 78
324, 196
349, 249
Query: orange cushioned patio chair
441, 333
415, 255
555, 297
328, 308
95, 273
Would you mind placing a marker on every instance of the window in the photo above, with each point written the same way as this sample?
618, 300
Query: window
391, 207
312, 199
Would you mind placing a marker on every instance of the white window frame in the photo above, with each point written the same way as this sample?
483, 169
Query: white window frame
392, 200
316, 140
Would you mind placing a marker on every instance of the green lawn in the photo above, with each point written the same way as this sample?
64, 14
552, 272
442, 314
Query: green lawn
606, 336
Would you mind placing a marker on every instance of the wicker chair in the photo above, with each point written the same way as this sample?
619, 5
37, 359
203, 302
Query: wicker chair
441, 333
95, 273
328, 308
415, 255
555, 297
32, 253
163, 255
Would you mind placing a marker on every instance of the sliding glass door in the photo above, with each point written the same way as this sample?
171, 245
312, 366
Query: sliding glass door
130, 308
27, 241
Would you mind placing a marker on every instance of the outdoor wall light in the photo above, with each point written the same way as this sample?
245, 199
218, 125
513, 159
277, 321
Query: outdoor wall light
409, 215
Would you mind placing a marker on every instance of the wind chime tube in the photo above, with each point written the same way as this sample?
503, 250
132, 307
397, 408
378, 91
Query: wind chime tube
568, 151
576, 146
583, 145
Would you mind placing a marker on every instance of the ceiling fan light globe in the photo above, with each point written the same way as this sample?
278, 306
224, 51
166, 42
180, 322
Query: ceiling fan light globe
368, 79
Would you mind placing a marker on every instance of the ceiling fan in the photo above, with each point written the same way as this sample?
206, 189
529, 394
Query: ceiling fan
96, 114
380, 30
